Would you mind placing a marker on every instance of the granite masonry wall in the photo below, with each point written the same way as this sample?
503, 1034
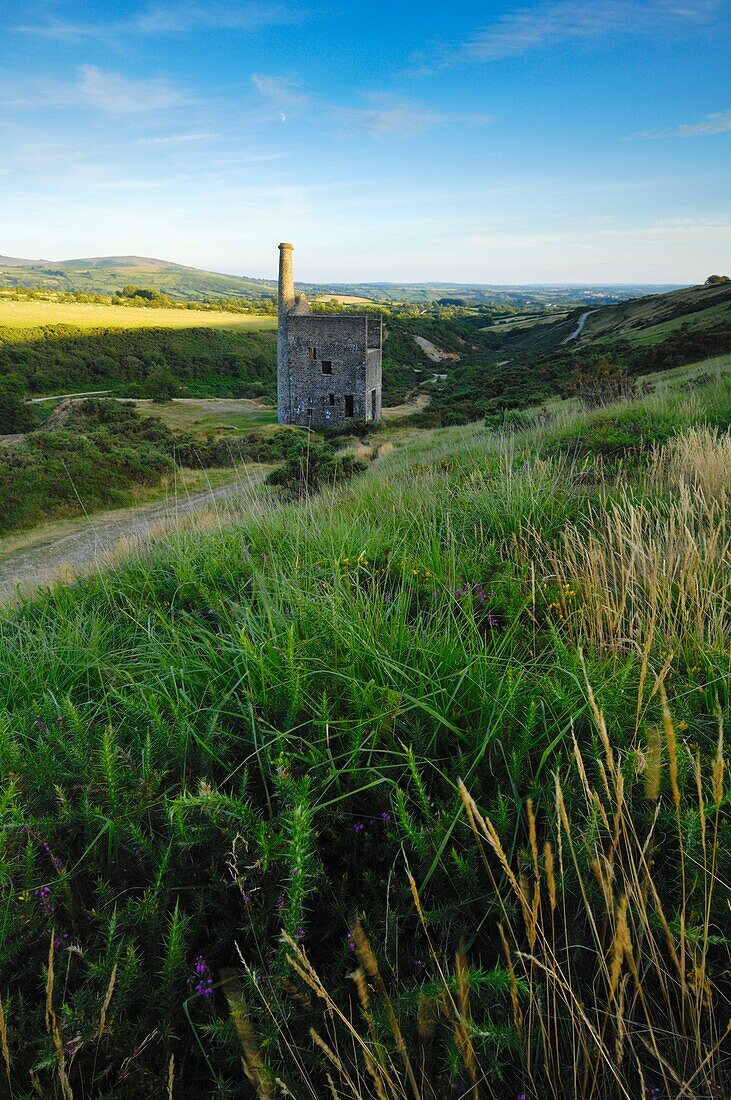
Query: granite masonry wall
329, 365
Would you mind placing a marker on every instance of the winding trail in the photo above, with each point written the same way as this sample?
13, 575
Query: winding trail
64, 548
582, 321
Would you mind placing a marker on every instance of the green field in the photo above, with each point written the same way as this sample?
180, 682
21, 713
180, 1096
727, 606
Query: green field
34, 314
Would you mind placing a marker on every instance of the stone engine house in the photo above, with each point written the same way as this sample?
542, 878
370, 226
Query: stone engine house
328, 365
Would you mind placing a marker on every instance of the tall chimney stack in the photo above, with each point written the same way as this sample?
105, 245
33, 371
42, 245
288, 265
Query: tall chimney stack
286, 304
286, 279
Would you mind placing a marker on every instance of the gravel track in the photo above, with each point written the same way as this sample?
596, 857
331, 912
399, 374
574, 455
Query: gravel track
62, 550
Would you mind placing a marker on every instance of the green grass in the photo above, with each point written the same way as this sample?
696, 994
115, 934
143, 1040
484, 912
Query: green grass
262, 727
202, 416
31, 314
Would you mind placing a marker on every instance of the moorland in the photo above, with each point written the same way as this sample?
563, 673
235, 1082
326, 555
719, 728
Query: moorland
408, 779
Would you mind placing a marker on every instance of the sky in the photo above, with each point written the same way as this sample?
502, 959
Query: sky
559, 141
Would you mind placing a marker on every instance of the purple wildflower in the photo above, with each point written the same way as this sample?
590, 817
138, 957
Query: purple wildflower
350, 941
43, 893
386, 817
299, 933
281, 902
359, 827
203, 978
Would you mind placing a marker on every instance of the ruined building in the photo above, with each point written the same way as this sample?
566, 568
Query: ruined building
328, 365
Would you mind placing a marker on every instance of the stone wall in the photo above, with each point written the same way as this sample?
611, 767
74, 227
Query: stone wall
333, 369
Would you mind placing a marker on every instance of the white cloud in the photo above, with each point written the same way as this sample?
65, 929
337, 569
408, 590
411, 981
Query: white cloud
392, 119
504, 240
180, 18
178, 139
546, 24
279, 90
98, 90
718, 123
106, 91
673, 231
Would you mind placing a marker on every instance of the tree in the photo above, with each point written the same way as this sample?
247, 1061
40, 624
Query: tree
162, 385
15, 415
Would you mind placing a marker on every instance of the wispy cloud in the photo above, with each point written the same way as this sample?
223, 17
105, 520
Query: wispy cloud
280, 90
669, 230
718, 123
503, 240
98, 90
105, 91
178, 139
546, 24
174, 18
384, 118
389, 118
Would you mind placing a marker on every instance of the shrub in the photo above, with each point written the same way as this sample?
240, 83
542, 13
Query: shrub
15, 415
309, 465
601, 382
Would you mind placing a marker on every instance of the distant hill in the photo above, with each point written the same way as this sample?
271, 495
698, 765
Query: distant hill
106, 274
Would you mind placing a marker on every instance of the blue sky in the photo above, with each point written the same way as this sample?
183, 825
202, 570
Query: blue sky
558, 141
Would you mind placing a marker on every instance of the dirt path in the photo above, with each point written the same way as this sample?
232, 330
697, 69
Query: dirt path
65, 548
582, 321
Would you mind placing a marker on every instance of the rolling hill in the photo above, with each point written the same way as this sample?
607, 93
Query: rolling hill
107, 274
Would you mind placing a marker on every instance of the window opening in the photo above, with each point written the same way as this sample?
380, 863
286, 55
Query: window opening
326, 366
312, 353
348, 404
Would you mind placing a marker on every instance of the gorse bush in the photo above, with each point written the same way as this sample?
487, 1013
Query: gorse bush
264, 729
309, 465
101, 452
612, 984
206, 361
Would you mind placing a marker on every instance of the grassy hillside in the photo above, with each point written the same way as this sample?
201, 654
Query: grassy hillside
651, 320
108, 274
454, 729
503, 361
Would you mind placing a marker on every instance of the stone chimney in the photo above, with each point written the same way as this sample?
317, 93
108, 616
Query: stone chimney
286, 279
286, 305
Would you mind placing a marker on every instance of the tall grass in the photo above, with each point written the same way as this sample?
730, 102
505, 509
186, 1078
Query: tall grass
252, 729
617, 980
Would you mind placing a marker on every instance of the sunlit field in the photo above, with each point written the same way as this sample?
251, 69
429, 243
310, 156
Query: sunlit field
31, 314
